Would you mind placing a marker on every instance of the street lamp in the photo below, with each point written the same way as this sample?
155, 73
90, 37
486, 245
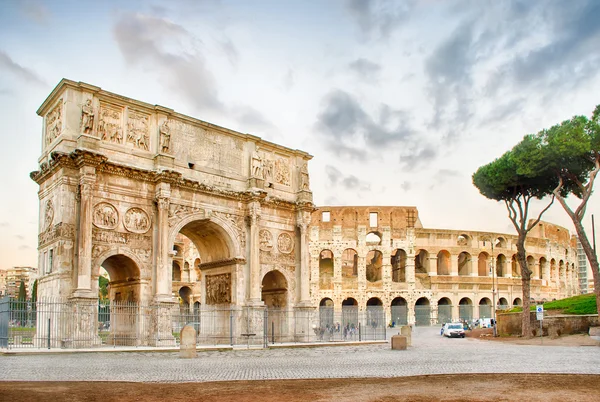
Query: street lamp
493, 291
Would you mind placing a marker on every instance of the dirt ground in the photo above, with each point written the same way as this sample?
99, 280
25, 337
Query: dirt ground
468, 387
568, 340
465, 387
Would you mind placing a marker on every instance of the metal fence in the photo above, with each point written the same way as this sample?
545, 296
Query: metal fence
86, 324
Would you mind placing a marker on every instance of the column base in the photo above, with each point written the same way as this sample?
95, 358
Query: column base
85, 294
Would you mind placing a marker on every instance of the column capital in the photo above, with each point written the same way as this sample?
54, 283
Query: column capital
163, 203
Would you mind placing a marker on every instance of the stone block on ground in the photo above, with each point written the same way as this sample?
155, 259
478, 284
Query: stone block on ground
406, 330
399, 342
187, 345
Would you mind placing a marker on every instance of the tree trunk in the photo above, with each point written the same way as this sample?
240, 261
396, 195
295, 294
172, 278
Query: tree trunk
525, 281
592, 258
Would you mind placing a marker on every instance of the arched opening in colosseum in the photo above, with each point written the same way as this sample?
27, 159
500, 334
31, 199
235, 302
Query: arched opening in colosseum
185, 275
463, 240
500, 242
553, 273
561, 272
534, 270
373, 239
444, 310
176, 273
422, 312
326, 312
124, 293
517, 302
500, 266
443, 263
350, 313
503, 303
375, 314
274, 290
464, 264
349, 269
398, 265
515, 267
543, 269
399, 309
374, 263
422, 262
465, 309
326, 269
482, 264
485, 308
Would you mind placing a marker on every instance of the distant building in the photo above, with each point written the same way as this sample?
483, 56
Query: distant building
586, 279
15, 275
2, 282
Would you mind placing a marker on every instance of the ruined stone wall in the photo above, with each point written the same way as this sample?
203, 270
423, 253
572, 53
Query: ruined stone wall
397, 263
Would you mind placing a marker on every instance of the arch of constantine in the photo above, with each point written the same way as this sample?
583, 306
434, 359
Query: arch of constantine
179, 211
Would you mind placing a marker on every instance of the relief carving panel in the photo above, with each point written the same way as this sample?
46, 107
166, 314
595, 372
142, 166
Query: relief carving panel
48, 214
133, 240
136, 220
54, 122
105, 216
266, 240
137, 130
285, 243
218, 289
178, 212
60, 231
110, 127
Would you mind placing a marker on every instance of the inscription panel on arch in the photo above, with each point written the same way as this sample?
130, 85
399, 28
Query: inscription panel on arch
206, 148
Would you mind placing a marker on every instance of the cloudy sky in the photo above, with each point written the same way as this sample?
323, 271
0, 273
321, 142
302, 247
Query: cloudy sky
399, 102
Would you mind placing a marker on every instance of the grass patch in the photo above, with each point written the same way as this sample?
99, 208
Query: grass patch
578, 305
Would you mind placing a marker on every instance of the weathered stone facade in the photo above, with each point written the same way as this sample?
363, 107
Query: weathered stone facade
382, 256
174, 207
121, 180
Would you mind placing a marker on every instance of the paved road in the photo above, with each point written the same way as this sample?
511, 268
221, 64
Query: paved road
430, 354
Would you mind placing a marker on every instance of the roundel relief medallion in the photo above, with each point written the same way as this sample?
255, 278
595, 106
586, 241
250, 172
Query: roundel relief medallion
266, 240
285, 243
136, 220
105, 216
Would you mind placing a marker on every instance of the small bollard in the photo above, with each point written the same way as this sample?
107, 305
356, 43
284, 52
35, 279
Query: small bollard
406, 330
188, 343
399, 342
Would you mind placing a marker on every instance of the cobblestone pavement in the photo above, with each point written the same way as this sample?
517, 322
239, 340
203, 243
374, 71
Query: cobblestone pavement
429, 354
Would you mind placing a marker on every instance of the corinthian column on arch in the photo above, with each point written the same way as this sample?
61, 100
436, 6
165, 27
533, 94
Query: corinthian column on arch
303, 220
254, 212
87, 179
162, 284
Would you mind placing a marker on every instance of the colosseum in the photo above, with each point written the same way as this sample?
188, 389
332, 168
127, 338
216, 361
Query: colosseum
383, 257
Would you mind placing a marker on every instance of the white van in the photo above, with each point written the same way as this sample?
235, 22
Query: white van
485, 323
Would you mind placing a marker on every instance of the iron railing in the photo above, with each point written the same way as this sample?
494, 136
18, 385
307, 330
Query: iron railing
72, 324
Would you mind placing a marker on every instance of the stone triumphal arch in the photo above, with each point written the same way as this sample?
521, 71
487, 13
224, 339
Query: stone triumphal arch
136, 188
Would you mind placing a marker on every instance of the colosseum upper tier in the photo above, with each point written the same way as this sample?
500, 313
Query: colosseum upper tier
384, 257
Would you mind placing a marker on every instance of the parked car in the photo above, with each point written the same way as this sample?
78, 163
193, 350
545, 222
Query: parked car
454, 330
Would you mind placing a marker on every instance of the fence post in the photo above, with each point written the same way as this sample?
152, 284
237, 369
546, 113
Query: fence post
266, 328
231, 326
48, 333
